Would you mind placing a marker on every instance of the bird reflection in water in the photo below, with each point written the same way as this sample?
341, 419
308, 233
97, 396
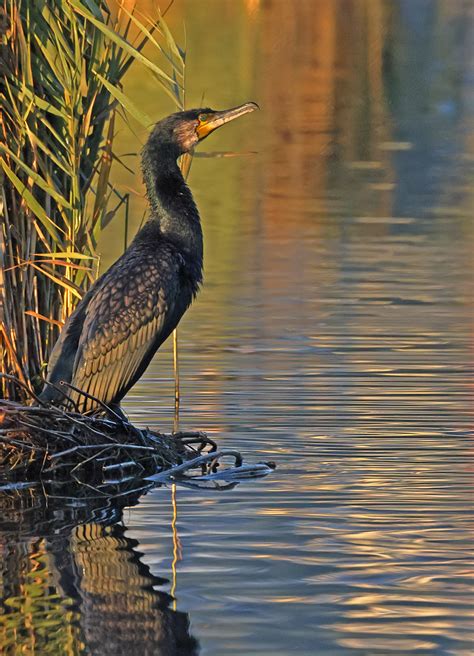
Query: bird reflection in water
73, 583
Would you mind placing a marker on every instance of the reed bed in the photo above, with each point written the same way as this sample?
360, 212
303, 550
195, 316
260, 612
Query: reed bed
61, 86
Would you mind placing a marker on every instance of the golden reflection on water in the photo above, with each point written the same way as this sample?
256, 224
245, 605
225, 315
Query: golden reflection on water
81, 590
333, 334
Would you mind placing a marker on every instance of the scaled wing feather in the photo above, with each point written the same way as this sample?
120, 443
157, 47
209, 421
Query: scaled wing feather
127, 318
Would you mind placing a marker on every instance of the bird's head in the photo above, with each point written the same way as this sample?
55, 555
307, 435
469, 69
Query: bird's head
182, 131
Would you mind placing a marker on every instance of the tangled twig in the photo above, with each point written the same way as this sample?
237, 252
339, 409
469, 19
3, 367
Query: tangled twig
38, 442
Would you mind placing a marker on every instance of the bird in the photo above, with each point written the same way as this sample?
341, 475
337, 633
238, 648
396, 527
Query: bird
109, 340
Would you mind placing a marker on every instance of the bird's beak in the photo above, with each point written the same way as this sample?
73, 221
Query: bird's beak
216, 119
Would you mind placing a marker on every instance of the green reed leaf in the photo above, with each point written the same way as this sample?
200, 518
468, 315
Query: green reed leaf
37, 179
32, 203
126, 103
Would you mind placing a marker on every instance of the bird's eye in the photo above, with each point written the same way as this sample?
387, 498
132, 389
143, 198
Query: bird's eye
203, 118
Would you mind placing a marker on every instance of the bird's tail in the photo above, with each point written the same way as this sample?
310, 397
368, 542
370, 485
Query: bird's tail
51, 393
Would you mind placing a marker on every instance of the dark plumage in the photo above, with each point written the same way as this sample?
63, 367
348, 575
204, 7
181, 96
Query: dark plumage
109, 340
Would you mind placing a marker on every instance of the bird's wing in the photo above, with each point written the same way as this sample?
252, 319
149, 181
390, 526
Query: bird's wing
127, 318
67, 342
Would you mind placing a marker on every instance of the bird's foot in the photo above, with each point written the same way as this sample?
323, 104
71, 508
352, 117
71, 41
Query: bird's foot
118, 415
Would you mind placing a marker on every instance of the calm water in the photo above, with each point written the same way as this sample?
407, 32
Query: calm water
332, 336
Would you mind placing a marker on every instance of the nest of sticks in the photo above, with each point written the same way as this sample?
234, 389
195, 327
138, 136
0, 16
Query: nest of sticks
40, 442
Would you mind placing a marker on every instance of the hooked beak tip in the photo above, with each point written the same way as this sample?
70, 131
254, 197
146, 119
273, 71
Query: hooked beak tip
231, 114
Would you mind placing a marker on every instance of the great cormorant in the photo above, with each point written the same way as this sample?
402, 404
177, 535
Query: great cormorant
110, 338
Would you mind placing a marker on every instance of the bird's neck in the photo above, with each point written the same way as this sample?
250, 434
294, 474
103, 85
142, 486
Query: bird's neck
171, 202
